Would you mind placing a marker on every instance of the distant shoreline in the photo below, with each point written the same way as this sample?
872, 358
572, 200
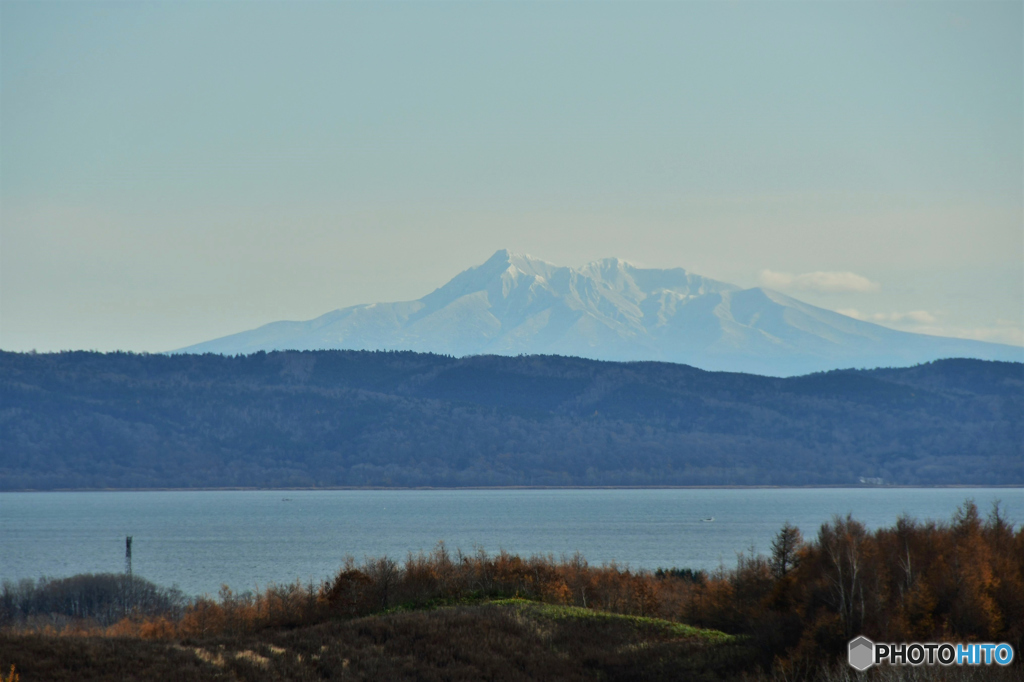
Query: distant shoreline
1009, 486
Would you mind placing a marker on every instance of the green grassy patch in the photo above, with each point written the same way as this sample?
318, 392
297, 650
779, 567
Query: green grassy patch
557, 612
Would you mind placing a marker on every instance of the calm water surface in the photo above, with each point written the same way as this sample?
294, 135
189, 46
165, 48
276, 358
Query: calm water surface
200, 540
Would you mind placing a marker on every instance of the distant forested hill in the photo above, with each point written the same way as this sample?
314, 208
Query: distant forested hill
356, 418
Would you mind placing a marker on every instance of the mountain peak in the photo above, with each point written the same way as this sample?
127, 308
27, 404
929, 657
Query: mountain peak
608, 264
613, 261
503, 259
501, 256
509, 256
610, 309
505, 264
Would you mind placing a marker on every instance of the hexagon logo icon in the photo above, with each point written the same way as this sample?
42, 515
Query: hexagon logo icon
862, 653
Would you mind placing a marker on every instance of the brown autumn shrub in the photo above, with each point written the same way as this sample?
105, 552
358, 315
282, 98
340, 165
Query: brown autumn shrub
914, 581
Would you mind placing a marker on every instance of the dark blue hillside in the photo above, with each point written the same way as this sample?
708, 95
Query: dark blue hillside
353, 418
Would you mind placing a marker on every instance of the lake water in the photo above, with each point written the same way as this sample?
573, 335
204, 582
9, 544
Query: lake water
200, 540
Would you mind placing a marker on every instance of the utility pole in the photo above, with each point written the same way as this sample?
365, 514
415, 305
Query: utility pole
127, 574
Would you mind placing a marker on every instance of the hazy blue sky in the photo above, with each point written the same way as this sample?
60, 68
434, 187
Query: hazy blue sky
175, 171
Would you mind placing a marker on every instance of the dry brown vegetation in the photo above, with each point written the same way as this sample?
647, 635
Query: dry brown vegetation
504, 641
447, 615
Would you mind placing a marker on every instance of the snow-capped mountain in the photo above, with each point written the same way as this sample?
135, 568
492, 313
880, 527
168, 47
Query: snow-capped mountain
610, 310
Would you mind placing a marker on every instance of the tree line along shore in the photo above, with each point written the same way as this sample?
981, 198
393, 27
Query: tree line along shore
449, 615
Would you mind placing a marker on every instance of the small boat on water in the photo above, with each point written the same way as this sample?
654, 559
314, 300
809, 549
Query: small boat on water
708, 519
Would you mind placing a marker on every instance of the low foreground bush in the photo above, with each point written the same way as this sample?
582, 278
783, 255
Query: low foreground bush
793, 611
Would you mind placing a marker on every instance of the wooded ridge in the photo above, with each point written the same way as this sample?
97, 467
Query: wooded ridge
361, 418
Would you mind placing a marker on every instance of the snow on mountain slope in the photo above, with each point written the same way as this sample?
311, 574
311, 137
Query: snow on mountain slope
611, 310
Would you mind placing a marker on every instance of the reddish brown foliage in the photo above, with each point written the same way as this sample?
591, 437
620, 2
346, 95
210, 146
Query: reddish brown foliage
956, 581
